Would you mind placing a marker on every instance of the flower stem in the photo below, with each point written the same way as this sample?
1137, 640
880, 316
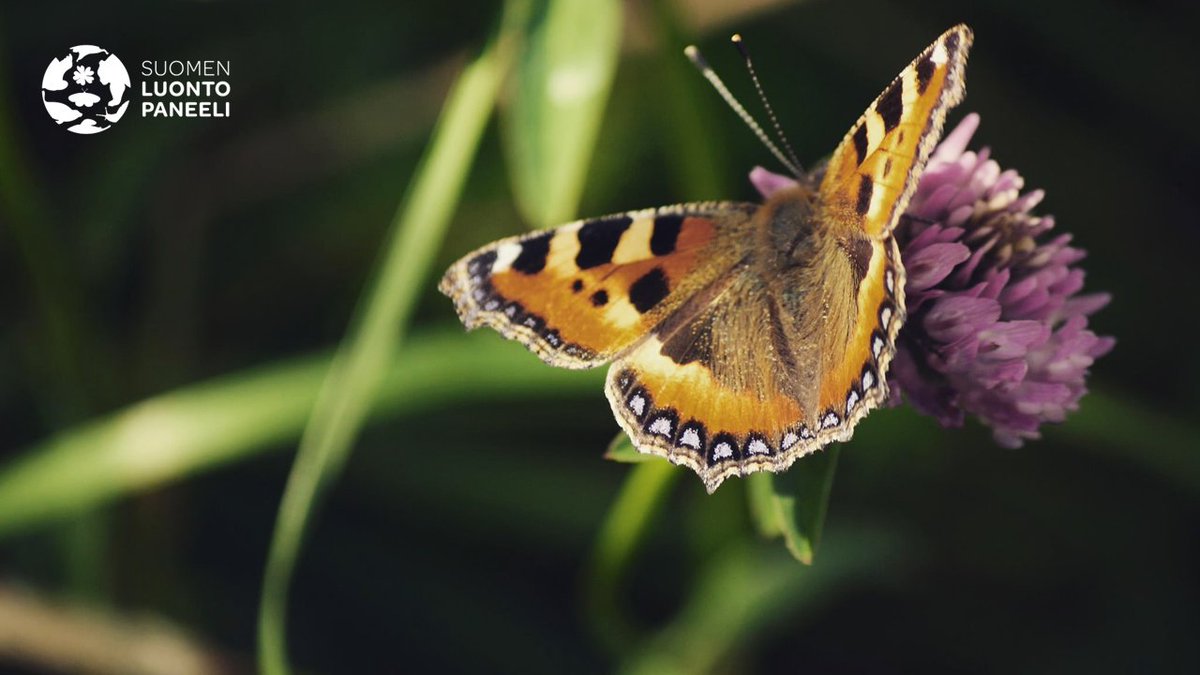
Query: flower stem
643, 493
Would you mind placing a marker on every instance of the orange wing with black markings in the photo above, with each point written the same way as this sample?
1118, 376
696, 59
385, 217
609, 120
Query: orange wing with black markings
743, 337
765, 375
770, 364
580, 294
875, 169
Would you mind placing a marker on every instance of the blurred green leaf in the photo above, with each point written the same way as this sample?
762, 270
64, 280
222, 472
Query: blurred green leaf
561, 83
748, 587
688, 112
621, 450
642, 495
1114, 424
792, 504
354, 378
67, 368
235, 417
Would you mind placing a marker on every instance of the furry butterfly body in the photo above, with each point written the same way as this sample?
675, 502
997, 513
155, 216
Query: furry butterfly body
741, 336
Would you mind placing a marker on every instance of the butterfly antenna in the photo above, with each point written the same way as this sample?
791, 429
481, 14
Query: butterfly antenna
745, 52
697, 60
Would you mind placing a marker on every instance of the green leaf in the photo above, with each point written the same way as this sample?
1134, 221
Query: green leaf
561, 83
235, 417
692, 120
792, 504
621, 450
354, 379
760, 492
746, 591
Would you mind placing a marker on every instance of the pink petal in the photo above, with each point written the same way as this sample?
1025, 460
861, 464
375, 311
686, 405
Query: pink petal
768, 183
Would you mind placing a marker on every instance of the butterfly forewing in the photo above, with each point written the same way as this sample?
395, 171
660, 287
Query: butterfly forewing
580, 294
875, 169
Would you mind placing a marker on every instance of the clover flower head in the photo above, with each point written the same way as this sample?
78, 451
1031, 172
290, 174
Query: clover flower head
997, 324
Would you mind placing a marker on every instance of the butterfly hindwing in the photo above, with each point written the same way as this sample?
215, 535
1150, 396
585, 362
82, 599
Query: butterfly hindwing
712, 388
875, 169
853, 373
579, 294
763, 367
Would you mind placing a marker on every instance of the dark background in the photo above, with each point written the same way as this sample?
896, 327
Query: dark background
161, 253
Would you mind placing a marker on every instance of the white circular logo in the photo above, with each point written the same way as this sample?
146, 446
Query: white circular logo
87, 89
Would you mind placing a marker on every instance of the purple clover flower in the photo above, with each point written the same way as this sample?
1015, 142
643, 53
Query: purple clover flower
997, 326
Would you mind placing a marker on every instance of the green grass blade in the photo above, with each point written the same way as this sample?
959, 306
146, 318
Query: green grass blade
354, 379
562, 80
235, 417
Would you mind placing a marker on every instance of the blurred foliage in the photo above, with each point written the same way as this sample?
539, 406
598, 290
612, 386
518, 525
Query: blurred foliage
561, 84
356, 372
174, 290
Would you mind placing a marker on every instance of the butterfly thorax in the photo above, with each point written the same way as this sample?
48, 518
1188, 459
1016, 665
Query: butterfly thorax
803, 238
787, 227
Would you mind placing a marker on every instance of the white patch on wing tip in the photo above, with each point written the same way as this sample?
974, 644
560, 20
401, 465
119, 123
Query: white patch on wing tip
505, 255
690, 438
886, 316
723, 450
757, 447
939, 55
789, 440
851, 401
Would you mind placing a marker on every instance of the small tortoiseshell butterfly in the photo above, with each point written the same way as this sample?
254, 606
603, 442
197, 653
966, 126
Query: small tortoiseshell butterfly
742, 336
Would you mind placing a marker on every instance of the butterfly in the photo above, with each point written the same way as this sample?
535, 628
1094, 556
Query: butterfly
742, 336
